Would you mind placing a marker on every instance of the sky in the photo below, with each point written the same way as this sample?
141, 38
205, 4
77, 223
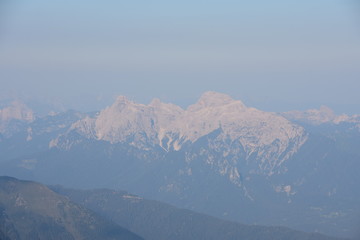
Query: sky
276, 55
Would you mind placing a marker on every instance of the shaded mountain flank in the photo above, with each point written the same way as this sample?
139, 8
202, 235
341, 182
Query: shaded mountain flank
30, 210
154, 220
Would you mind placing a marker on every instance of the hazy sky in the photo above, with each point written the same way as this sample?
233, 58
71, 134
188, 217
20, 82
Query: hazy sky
273, 55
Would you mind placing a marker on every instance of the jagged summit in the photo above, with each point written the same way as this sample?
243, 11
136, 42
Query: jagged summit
122, 101
214, 99
155, 102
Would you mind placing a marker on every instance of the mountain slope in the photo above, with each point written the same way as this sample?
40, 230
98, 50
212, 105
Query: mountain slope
156, 221
30, 210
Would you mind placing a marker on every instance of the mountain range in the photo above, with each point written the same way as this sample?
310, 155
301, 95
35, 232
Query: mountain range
218, 156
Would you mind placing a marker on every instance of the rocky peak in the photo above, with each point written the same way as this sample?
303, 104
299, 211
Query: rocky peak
213, 100
317, 116
17, 110
157, 105
121, 102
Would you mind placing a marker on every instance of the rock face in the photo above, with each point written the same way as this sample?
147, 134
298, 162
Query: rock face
269, 138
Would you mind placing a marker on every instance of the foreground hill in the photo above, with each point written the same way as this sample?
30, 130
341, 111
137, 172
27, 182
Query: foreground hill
154, 220
29, 210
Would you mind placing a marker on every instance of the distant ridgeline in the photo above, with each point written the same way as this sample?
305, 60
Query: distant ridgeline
218, 156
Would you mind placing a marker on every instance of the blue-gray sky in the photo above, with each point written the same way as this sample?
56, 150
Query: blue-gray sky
273, 55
